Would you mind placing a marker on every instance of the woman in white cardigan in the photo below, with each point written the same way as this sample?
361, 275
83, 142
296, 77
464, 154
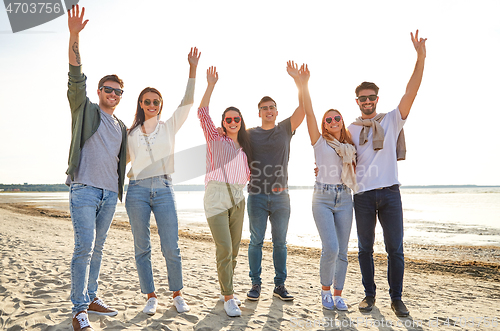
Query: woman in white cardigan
151, 153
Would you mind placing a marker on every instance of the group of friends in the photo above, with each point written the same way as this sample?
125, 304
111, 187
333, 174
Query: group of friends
356, 167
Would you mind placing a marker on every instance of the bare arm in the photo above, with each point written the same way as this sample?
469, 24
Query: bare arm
75, 25
312, 126
416, 78
298, 115
212, 77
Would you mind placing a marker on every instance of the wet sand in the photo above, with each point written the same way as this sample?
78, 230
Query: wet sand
445, 287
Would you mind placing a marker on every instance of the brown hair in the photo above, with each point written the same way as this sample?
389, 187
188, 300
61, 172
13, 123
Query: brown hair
113, 78
366, 86
266, 99
243, 137
139, 113
345, 135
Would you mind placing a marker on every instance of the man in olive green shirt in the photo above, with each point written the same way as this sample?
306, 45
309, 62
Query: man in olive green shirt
96, 172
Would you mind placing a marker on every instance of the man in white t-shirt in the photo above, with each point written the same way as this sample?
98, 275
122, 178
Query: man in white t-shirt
376, 136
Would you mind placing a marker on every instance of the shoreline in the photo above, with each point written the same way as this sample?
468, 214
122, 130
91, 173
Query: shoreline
469, 261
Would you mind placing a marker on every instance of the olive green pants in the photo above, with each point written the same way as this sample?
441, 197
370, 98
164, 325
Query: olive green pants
226, 227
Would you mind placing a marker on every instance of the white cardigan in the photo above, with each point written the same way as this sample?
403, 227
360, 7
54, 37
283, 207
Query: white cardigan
153, 154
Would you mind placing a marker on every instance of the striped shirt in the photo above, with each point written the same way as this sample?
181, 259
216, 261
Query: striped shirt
225, 162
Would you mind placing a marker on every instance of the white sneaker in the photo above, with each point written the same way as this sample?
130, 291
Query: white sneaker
238, 302
231, 308
151, 305
339, 303
180, 304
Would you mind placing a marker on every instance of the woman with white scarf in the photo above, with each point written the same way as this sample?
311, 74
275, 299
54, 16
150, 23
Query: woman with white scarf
332, 205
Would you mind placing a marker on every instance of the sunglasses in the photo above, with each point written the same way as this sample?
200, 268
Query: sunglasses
229, 120
337, 118
108, 90
369, 97
266, 108
156, 102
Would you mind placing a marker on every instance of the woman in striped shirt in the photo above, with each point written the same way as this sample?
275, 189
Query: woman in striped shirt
228, 158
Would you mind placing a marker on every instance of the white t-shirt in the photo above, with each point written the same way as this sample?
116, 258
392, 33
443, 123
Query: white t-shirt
328, 163
376, 169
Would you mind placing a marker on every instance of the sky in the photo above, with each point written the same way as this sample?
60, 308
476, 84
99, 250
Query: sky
451, 132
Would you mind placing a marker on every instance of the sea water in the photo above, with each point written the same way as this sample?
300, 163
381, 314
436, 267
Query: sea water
447, 216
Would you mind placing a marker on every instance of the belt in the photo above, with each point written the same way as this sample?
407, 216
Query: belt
167, 177
281, 189
381, 188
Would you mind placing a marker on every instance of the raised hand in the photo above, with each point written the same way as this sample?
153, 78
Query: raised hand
304, 73
75, 19
293, 69
194, 56
212, 75
416, 78
419, 44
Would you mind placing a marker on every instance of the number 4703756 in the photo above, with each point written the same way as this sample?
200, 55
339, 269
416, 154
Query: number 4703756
33, 8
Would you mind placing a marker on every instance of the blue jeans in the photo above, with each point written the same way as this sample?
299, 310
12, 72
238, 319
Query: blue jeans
332, 211
92, 211
154, 194
277, 208
387, 203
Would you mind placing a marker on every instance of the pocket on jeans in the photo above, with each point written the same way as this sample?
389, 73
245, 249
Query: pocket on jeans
209, 196
394, 188
82, 195
77, 186
166, 182
133, 182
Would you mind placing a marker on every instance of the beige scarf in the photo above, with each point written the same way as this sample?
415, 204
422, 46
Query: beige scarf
348, 154
378, 135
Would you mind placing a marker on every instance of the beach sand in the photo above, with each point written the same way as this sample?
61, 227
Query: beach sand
445, 288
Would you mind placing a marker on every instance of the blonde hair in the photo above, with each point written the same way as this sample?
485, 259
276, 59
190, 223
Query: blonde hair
345, 135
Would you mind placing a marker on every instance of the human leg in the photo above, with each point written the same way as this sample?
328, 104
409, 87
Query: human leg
104, 218
365, 210
258, 212
322, 208
137, 204
219, 226
279, 217
343, 213
85, 204
236, 216
391, 220
164, 209
343, 223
